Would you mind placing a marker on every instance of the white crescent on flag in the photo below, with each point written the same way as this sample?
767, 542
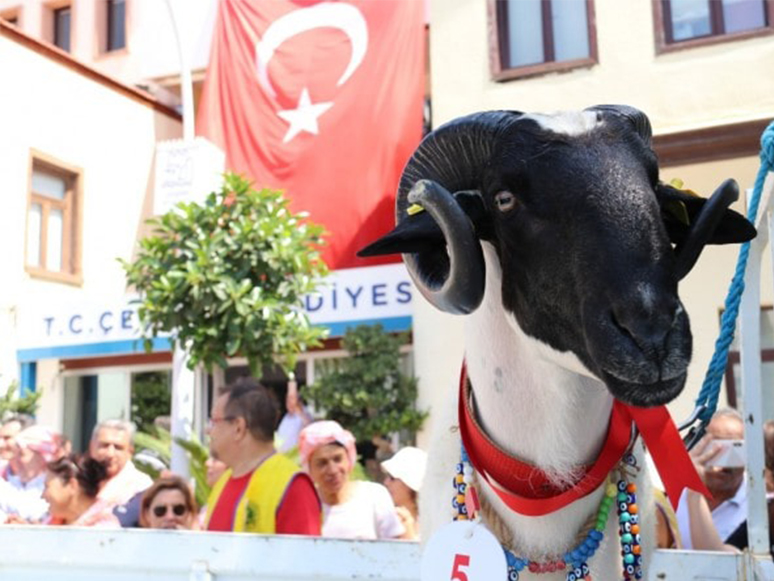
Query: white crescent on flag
345, 17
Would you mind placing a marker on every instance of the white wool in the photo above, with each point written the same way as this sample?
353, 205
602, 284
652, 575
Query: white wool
545, 408
571, 123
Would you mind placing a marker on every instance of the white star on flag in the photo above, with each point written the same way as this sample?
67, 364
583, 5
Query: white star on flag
304, 116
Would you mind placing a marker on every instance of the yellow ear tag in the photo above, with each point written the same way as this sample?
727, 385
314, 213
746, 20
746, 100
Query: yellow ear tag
414, 209
678, 184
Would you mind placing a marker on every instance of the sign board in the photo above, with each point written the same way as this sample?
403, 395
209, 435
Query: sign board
371, 294
380, 294
186, 171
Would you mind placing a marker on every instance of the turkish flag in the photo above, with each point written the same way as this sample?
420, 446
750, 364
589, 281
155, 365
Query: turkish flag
322, 100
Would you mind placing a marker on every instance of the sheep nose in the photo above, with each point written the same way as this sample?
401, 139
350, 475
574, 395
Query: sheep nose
648, 324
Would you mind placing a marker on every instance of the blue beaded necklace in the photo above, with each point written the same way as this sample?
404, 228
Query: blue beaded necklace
466, 506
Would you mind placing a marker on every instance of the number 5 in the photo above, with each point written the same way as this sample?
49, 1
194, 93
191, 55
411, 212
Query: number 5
460, 561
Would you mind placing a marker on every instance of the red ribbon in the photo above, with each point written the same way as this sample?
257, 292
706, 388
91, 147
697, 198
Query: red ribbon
526, 489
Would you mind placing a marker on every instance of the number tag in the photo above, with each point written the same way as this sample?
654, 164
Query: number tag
463, 551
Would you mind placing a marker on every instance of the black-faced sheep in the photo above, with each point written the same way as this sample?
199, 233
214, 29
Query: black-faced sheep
554, 235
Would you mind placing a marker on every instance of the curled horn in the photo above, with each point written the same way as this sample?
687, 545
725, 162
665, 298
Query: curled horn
450, 159
636, 117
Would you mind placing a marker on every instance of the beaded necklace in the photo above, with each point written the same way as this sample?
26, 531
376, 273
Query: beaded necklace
624, 493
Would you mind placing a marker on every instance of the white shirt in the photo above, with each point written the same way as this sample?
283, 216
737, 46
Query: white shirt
289, 428
369, 513
124, 485
23, 499
727, 516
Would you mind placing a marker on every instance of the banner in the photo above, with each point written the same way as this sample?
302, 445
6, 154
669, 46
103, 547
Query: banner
324, 101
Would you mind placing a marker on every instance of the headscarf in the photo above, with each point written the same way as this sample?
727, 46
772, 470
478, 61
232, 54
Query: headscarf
319, 434
39, 439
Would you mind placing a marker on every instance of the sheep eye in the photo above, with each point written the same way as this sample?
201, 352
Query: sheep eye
505, 201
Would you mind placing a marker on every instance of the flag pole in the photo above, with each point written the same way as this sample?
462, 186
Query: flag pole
183, 379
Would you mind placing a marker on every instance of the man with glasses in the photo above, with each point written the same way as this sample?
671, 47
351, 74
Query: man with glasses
261, 491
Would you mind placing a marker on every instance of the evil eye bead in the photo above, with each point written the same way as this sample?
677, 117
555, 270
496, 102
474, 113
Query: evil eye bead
621, 486
461, 488
626, 549
625, 528
463, 509
571, 576
635, 519
460, 468
585, 569
455, 502
629, 569
513, 574
622, 506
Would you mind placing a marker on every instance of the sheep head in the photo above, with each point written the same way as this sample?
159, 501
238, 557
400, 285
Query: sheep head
591, 245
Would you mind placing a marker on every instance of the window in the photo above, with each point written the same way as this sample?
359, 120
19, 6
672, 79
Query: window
11, 16
116, 24
62, 28
538, 36
691, 22
53, 222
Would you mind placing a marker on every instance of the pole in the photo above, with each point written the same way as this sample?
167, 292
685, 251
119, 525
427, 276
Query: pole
183, 378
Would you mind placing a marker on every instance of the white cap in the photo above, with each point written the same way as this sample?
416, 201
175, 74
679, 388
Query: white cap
408, 464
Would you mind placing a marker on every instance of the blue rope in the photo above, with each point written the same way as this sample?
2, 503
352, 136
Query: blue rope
710, 389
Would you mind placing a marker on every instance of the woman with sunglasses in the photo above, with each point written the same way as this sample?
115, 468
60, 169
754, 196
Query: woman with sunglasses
168, 504
72, 484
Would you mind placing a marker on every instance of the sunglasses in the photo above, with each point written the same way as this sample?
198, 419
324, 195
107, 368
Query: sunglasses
177, 509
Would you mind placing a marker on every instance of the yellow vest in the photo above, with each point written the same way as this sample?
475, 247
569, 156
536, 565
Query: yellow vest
257, 509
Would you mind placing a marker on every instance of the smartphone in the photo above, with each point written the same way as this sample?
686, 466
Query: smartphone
731, 455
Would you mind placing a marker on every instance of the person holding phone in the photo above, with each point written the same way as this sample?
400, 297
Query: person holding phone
719, 460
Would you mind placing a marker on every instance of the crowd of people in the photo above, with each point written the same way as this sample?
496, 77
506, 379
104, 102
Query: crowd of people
254, 486
257, 488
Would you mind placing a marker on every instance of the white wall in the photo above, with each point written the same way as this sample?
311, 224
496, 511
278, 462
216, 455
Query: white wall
151, 50
683, 90
106, 132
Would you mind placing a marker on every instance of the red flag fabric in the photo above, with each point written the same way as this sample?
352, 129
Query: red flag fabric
323, 100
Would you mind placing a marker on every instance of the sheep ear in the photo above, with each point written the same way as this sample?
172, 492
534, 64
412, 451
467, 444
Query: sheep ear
419, 232
680, 208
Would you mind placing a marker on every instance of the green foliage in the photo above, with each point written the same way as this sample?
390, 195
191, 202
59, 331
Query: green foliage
26, 403
151, 398
159, 443
366, 392
228, 276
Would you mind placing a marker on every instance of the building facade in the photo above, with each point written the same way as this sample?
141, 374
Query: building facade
75, 336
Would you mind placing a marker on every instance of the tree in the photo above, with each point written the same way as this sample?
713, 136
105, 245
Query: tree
24, 403
151, 397
228, 276
366, 392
